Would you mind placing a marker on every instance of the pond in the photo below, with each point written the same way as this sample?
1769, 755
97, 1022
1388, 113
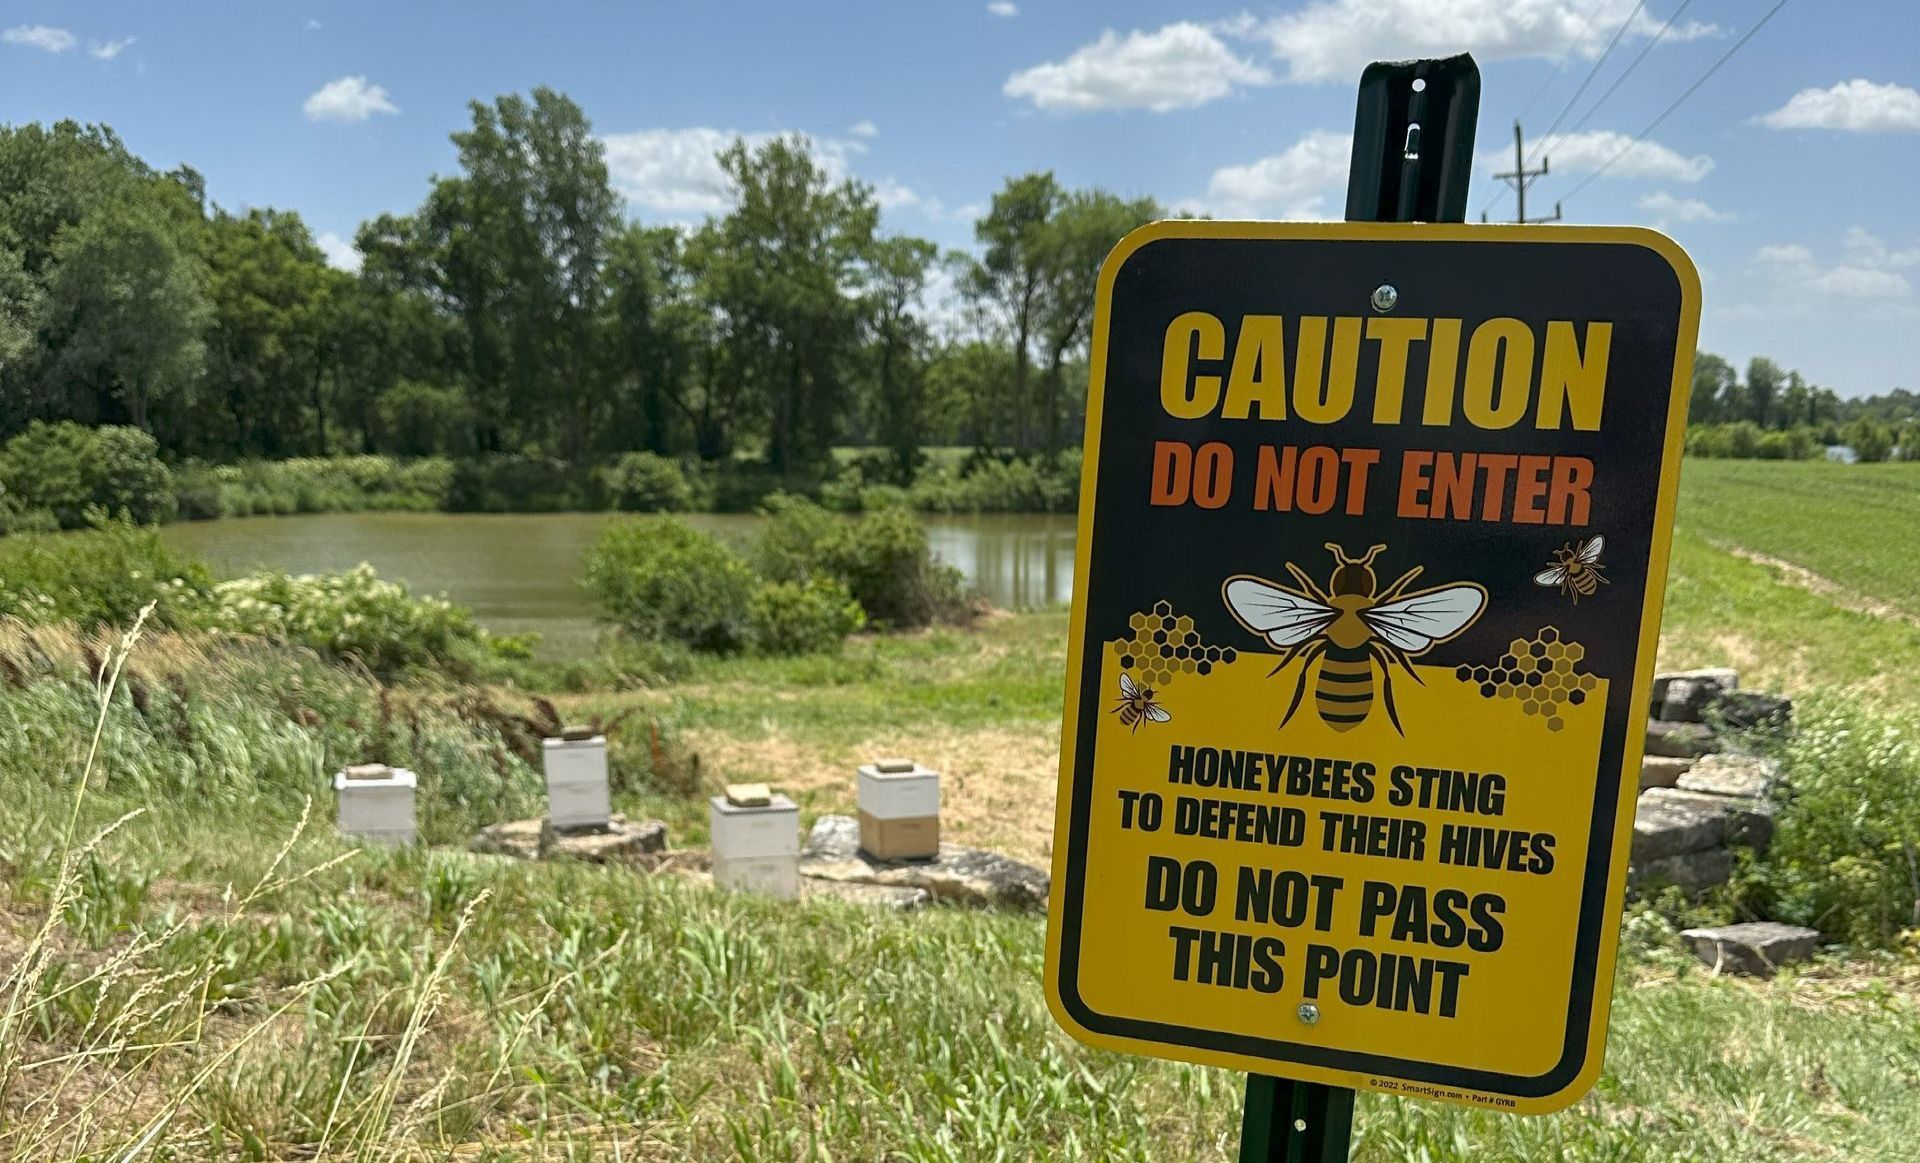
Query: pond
520, 572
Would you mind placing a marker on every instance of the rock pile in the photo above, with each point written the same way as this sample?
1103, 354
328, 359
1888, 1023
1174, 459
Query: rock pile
1698, 803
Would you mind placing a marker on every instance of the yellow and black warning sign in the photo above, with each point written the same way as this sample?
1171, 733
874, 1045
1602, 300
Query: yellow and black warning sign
1373, 538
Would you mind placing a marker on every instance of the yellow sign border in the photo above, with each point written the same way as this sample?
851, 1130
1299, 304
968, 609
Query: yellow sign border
1655, 598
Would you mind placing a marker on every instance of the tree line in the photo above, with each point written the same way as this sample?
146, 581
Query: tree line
1774, 413
519, 310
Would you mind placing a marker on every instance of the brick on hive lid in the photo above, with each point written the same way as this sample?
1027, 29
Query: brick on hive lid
893, 766
749, 795
577, 733
360, 771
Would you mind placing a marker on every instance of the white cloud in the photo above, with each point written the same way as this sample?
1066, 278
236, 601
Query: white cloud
1864, 272
348, 99
865, 129
1003, 8
1868, 250
40, 36
1293, 184
1856, 106
106, 50
1334, 39
1666, 209
341, 253
314, 25
675, 172
1585, 152
1175, 67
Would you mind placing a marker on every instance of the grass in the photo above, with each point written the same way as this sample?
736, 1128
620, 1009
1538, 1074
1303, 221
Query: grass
215, 978
1853, 525
195, 968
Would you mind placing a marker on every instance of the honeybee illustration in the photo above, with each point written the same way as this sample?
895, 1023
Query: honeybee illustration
1577, 572
1136, 704
1350, 626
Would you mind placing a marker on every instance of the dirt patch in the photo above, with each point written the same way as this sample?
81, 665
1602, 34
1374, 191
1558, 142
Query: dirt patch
996, 785
1826, 587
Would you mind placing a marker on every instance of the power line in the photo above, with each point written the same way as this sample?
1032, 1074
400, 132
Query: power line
1591, 74
1680, 100
1631, 65
1586, 22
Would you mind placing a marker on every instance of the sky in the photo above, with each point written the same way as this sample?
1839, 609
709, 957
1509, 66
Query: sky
1788, 175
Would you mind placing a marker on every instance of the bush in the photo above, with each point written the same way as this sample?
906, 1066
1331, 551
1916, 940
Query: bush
351, 615
341, 484
523, 483
794, 618
646, 482
993, 486
881, 558
1846, 846
68, 469
664, 579
98, 577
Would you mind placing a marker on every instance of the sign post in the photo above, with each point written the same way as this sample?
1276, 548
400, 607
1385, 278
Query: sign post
1373, 541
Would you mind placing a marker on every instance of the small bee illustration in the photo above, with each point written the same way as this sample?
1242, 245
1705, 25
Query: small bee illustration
1577, 572
1136, 704
1350, 627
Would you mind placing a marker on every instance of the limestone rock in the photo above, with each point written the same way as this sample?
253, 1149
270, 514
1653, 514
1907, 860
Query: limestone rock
1672, 822
1662, 771
1756, 947
879, 895
1679, 740
1690, 872
1682, 696
1732, 775
623, 840
958, 875
1750, 710
516, 838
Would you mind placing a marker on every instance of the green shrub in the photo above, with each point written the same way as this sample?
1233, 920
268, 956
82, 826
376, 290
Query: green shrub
662, 578
339, 484
523, 483
795, 618
98, 577
68, 469
993, 486
646, 482
1845, 857
351, 615
881, 557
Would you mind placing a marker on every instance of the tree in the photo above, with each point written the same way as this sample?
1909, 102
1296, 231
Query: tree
267, 288
1011, 273
1715, 384
1764, 380
781, 272
125, 313
900, 269
1870, 440
514, 248
1070, 249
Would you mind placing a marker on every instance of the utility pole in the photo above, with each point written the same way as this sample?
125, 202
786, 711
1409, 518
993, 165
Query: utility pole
1521, 178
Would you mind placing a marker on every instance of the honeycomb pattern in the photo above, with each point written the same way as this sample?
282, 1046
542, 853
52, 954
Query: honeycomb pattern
1161, 645
1539, 671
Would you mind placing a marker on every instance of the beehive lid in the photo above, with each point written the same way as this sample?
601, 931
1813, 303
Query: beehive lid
372, 775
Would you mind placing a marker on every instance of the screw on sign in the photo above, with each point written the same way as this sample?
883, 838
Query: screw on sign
1373, 541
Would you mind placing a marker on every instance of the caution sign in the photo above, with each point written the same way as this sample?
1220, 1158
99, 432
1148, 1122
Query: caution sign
1373, 535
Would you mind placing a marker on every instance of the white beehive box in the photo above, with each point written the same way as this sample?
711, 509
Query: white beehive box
756, 849
577, 795
376, 803
899, 790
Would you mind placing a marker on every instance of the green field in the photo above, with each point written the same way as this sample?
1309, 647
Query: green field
194, 981
1853, 525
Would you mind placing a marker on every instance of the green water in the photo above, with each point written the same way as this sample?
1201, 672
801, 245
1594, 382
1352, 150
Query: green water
520, 572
